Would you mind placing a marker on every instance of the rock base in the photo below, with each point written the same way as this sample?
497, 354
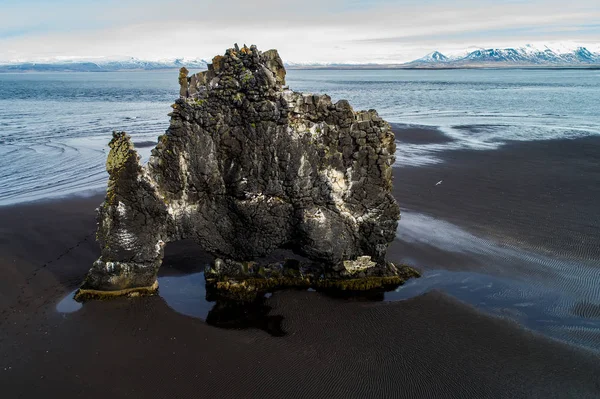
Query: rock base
83, 294
247, 286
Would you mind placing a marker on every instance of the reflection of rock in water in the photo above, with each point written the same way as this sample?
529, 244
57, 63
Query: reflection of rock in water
241, 281
251, 312
244, 314
246, 167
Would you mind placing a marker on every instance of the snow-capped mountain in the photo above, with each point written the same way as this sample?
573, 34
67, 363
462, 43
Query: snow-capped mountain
563, 54
528, 55
434, 57
101, 65
326, 65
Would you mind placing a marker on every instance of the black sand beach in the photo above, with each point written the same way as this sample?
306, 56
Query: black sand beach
537, 195
419, 134
542, 194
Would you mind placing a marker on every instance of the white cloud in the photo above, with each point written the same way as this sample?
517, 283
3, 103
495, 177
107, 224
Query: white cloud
332, 31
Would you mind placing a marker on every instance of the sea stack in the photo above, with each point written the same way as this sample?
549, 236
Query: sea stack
248, 167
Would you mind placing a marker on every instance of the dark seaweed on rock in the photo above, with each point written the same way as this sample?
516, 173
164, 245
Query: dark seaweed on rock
246, 167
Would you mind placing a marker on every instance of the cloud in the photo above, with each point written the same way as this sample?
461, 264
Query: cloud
311, 30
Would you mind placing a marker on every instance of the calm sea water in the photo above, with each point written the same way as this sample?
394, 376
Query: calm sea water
54, 127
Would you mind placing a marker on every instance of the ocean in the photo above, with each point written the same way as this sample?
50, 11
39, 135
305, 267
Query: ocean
55, 127
497, 175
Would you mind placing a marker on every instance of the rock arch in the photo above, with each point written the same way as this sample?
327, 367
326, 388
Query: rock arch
248, 166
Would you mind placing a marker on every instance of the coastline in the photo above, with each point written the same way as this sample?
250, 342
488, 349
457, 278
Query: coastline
505, 192
371, 67
431, 344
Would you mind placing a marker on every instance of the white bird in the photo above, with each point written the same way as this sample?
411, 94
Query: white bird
438, 183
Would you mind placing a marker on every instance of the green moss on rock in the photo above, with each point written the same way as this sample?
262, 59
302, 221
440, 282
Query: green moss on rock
83, 295
121, 149
248, 288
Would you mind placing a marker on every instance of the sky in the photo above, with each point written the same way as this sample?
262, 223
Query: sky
325, 31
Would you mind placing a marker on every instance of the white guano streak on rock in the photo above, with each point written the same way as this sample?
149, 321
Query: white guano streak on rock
175, 209
317, 129
126, 239
159, 246
339, 189
255, 198
302, 166
121, 209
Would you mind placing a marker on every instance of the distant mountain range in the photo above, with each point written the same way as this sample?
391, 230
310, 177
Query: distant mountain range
530, 56
102, 65
526, 56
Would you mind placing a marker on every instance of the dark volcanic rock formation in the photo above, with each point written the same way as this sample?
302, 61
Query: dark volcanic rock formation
246, 167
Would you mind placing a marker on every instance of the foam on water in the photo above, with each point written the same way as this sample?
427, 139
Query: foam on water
480, 136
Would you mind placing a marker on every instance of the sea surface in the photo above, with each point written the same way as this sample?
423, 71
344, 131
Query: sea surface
55, 127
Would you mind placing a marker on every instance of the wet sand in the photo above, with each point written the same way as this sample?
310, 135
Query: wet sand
414, 134
541, 194
428, 346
